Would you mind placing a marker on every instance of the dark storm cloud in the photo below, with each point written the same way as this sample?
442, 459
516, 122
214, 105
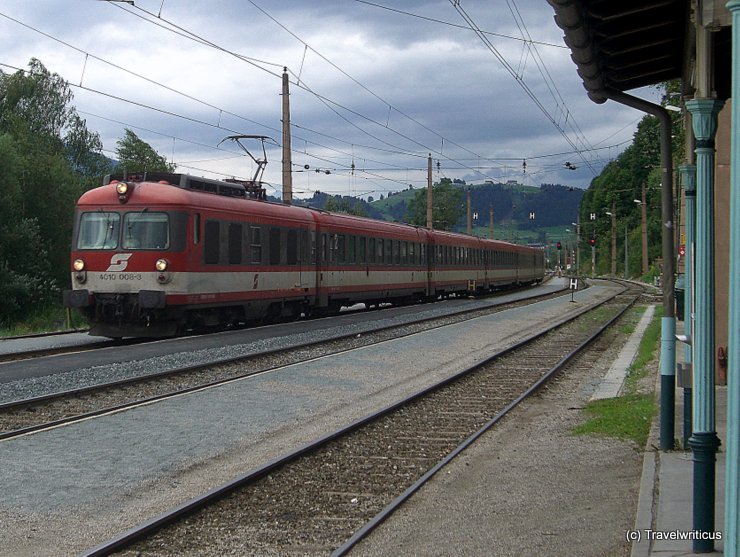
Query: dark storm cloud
377, 86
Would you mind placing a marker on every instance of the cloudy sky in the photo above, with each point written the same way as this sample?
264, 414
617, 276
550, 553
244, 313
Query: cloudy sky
375, 87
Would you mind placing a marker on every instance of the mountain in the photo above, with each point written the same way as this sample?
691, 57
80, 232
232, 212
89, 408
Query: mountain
553, 207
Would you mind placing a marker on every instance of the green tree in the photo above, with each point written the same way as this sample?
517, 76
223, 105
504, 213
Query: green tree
135, 155
620, 184
337, 204
48, 157
447, 207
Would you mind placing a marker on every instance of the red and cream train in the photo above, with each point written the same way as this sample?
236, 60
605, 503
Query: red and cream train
159, 255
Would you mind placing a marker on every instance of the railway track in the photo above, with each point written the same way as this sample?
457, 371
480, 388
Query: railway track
43, 352
28, 415
97, 344
327, 496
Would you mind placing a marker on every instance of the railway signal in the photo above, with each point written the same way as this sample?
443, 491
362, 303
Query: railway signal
592, 242
559, 245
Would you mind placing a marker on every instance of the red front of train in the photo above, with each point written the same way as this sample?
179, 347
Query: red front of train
148, 257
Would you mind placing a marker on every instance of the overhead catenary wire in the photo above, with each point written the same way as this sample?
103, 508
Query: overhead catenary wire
438, 152
456, 25
324, 99
256, 62
519, 79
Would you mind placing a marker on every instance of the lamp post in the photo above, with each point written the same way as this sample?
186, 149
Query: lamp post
613, 215
643, 206
626, 253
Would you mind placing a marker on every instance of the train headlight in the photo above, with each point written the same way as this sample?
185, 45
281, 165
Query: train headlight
79, 268
123, 190
163, 275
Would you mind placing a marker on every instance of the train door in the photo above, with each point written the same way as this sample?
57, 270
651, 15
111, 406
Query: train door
430, 261
322, 268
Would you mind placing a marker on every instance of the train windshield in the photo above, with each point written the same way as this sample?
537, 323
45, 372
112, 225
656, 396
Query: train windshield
146, 230
136, 230
99, 230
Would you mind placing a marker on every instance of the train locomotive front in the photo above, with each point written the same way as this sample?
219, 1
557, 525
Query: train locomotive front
128, 236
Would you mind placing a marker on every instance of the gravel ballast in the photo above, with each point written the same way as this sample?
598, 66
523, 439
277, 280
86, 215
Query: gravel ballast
71, 519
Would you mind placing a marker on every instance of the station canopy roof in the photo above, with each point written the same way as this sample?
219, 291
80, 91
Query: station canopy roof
620, 45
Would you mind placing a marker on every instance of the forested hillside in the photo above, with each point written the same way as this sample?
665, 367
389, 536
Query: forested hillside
48, 157
552, 205
618, 188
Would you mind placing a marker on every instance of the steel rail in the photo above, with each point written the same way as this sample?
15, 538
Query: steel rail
94, 345
201, 366
142, 530
406, 495
43, 352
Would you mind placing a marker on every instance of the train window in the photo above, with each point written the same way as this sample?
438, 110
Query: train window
305, 247
98, 230
255, 245
379, 251
274, 246
371, 250
412, 253
196, 228
361, 253
388, 251
145, 230
396, 252
211, 242
404, 252
351, 251
341, 244
235, 243
292, 248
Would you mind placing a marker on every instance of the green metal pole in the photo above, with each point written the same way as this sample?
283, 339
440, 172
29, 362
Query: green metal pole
688, 174
704, 441
732, 482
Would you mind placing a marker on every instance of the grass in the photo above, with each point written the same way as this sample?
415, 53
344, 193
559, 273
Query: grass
44, 320
646, 352
629, 416
626, 417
